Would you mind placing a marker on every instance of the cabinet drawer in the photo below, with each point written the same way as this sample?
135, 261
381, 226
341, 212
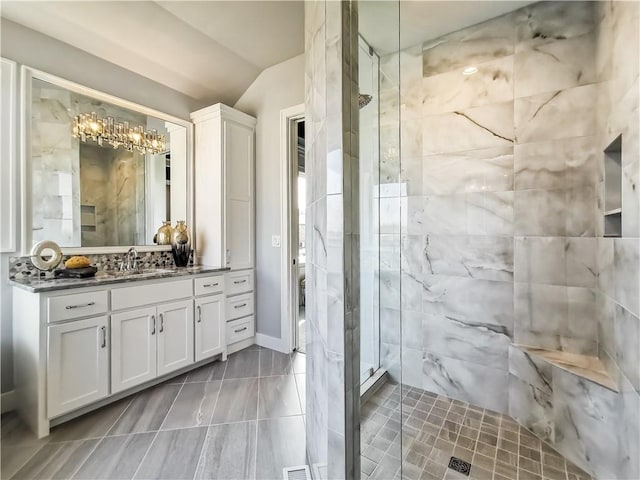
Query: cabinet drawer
148, 294
239, 330
207, 285
239, 282
65, 307
239, 306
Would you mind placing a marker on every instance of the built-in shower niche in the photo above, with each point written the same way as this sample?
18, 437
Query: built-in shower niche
613, 188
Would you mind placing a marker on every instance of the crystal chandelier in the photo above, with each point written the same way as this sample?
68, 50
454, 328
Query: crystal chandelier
117, 134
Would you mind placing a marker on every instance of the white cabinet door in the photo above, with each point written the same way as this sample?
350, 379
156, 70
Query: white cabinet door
239, 186
209, 326
133, 348
78, 364
175, 336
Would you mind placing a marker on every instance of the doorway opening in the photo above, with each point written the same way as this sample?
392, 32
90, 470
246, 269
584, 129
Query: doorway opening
294, 201
299, 195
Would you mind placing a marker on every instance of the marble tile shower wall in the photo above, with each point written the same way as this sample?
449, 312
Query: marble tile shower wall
498, 194
500, 236
332, 349
618, 286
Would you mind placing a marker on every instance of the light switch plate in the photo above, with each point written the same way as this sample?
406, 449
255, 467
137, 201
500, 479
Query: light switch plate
275, 240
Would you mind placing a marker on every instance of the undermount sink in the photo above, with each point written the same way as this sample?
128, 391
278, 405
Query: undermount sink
144, 272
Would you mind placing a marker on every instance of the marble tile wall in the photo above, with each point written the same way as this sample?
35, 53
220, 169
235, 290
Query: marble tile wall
332, 310
618, 259
492, 209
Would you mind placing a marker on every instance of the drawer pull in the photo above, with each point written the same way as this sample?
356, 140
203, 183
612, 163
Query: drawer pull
240, 306
240, 330
153, 321
237, 282
161, 322
209, 285
71, 307
199, 314
104, 337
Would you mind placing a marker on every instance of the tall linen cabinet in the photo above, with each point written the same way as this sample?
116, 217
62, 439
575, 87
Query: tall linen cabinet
224, 181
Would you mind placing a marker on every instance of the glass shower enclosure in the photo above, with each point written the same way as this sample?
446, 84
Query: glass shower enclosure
368, 71
499, 221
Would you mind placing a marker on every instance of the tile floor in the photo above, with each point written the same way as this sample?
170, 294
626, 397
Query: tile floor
435, 428
243, 419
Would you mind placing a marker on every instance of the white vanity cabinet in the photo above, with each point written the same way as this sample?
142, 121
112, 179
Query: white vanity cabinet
209, 334
175, 336
151, 341
224, 187
81, 348
133, 348
77, 364
210, 317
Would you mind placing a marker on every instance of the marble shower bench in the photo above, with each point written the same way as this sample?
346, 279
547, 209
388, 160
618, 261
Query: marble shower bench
588, 367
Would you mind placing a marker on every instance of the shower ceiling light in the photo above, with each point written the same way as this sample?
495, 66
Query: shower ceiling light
117, 134
469, 70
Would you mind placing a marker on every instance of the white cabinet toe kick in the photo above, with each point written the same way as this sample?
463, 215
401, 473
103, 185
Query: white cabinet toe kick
77, 350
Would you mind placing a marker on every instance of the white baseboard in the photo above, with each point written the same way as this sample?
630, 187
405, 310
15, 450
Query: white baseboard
270, 342
7, 401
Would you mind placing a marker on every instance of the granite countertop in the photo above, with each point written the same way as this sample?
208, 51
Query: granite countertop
41, 284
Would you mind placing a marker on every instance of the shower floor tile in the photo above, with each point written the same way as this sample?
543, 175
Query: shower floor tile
436, 428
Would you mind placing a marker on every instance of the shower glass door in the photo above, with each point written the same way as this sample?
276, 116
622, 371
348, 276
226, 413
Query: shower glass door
368, 64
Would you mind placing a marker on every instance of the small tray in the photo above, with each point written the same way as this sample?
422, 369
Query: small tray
76, 272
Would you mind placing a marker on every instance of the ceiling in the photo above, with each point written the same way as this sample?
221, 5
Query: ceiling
213, 50
209, 50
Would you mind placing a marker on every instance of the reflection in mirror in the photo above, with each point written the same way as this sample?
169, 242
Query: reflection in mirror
91, 193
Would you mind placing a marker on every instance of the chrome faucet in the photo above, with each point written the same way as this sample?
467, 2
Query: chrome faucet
132, 261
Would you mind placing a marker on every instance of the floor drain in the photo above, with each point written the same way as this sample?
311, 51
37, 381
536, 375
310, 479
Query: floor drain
460, 466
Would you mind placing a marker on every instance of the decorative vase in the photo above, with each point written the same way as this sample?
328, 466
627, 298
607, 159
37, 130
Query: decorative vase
181, 244
163, 237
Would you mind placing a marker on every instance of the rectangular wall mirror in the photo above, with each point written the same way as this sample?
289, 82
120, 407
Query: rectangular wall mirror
102, 173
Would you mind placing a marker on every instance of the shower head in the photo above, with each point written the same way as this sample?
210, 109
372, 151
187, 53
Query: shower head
363, 100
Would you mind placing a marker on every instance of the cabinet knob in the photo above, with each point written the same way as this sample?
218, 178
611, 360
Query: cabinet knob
153, 321
199, 314
161, 323
104, 337
240, 306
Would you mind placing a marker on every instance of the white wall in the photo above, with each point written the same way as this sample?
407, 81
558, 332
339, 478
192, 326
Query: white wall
28, 47
277, 88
